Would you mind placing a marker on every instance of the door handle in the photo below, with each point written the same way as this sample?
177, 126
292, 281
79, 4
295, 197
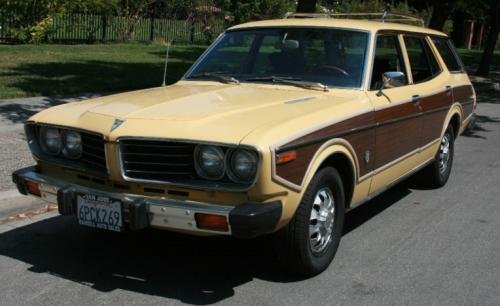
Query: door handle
448, 89
415, 99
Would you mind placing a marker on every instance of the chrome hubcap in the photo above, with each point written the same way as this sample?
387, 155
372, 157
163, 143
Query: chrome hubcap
444, 153
322, 220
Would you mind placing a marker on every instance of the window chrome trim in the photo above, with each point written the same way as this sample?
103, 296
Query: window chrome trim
211, 185
430, 47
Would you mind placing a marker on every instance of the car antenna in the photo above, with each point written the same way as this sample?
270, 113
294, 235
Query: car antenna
166, 65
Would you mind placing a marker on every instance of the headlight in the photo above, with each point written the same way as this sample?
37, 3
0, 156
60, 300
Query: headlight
242, 165
209, 162
50, 140
72, 144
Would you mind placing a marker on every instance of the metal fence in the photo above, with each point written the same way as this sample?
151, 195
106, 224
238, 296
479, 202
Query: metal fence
102, 28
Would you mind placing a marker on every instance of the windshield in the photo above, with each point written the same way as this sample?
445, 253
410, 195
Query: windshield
330, 57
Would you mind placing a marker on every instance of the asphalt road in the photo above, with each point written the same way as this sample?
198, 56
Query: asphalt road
407, 246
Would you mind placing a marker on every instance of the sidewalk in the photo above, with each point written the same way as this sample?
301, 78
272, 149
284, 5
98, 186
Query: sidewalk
15, 153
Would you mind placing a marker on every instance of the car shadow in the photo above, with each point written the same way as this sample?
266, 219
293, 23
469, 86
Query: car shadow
477, 128
194, 270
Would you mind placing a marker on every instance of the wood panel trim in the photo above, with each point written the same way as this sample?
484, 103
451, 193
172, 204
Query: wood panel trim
341, 131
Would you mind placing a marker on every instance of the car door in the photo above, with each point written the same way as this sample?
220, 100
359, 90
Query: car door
431, 88
397, 114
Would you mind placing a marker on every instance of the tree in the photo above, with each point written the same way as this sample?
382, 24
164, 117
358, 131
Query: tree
306, 6
491, 40
130, 11
441, 10
241, 11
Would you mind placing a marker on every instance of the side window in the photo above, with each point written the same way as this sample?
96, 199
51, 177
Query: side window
422, 61
449, 57
387, 58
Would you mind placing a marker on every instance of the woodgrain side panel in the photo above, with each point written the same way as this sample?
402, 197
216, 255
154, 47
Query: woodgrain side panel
396, 139
347, 126
433, 124
464, 95
294, 171
358, 131
387, 134
434, 109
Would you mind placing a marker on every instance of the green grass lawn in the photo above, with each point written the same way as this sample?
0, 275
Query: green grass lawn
34, 70
472, 57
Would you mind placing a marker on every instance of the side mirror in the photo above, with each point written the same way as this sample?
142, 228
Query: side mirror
288, 44
391, 79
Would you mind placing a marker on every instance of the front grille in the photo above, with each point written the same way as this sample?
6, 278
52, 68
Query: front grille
157, 160
93, 152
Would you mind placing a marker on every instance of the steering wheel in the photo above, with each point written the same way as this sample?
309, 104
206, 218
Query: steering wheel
338, 70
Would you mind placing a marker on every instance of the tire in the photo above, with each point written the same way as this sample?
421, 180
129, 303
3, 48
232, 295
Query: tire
437, 174
294, 249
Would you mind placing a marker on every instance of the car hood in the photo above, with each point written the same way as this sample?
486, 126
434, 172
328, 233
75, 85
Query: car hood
190, 110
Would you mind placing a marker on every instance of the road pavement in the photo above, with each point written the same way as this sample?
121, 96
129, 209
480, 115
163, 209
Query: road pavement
407, 246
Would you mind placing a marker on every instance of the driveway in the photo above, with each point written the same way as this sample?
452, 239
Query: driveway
407, 246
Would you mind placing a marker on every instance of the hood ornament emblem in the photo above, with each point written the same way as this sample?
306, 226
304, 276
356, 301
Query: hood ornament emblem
117, 123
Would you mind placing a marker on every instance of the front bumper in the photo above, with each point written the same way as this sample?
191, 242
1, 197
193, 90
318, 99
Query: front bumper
246, 220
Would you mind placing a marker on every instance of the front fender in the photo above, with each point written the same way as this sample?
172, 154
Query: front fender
329, 148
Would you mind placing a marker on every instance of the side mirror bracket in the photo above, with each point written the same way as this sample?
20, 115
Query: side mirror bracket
391, 79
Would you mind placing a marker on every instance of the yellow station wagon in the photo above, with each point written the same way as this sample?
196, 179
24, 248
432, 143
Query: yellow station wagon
280, 127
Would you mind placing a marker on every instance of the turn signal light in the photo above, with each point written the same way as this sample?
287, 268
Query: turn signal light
211, 222
286, 157
33, 188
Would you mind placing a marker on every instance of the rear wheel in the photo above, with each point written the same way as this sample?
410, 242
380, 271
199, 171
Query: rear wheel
307, 245
436, 174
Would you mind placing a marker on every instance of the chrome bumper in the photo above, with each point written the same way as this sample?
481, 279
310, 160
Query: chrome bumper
246, 220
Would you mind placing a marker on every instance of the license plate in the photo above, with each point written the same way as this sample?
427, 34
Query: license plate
100, 212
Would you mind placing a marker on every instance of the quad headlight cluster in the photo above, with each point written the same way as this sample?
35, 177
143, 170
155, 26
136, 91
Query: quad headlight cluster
214, 162
55, 141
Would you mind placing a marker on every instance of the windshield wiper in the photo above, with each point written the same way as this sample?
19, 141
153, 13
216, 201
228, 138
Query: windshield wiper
216, 76
290, 81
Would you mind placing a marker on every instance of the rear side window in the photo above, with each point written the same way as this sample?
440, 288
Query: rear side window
423, 64
449, 57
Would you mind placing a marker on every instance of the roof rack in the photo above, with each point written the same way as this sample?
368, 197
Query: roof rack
382, 17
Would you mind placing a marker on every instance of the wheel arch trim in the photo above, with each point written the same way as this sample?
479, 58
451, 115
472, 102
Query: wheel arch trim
455, 110
326, 150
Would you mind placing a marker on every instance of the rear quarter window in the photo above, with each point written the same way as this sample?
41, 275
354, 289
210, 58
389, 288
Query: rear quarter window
448, 54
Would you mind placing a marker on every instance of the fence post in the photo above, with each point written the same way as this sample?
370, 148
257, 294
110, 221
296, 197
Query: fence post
104, 27
191, 34
1, 25
151, 28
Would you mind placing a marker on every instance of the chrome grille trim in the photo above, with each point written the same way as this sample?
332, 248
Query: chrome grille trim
155, 160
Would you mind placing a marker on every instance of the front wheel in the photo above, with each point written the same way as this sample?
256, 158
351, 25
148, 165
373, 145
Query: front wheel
307, 245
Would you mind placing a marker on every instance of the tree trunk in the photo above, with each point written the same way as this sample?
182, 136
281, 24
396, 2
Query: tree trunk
459, 28
306, 6
470, 34
491, 40
441, 10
